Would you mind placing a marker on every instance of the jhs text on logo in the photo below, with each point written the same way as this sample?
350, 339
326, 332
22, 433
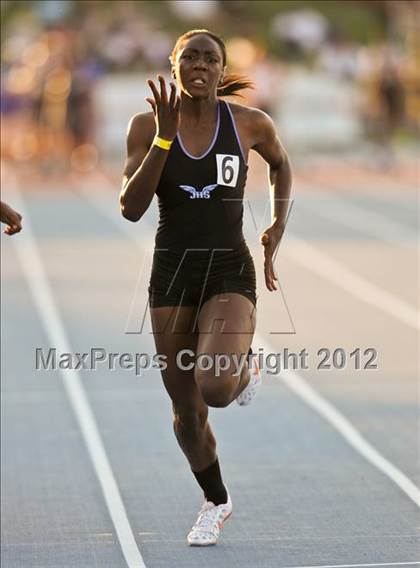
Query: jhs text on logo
195, 194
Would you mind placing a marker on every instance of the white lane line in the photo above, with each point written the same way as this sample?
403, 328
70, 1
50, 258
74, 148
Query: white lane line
304, 391
38, 284
359, 565
313, 259
359, 218
334, 417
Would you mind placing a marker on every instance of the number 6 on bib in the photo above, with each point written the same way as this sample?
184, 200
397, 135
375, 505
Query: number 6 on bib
227, 169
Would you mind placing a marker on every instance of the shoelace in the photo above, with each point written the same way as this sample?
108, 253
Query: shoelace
207, 518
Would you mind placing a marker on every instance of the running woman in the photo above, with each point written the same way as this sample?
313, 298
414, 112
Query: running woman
192, 151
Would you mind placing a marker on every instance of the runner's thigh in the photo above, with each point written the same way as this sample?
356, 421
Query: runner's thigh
226, 324
172, 327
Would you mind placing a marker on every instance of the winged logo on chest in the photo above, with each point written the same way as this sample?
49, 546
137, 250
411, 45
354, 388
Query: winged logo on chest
195, 194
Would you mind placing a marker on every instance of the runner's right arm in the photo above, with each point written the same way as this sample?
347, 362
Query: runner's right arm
145, 161
142, 170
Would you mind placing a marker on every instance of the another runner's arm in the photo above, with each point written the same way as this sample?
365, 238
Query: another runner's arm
268, 146
11, 218
143, 168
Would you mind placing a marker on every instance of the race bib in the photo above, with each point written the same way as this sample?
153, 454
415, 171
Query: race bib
227, 169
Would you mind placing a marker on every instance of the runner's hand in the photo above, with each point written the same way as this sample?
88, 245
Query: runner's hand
166, 110
270, 239
11, 218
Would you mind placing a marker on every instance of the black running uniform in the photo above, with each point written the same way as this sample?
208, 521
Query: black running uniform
200, 248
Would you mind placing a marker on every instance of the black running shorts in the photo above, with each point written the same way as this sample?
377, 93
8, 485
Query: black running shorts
191, 278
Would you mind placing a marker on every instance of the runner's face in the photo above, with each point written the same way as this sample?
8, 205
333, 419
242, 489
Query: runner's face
199, 67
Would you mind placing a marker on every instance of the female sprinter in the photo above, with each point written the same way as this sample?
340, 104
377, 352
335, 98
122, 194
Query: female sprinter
191, 151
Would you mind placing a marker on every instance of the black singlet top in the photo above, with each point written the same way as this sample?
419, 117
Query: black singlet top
201, 198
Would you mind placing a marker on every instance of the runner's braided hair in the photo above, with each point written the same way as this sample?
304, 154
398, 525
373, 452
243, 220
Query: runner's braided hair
231, 82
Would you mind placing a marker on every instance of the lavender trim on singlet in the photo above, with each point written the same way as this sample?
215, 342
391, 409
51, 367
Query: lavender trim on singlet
236, 132
213, 142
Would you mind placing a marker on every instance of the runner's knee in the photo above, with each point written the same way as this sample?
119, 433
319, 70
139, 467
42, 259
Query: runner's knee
215, 394
216, 389
189, 419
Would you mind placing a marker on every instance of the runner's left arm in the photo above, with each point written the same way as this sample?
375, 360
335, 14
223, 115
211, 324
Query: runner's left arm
268, 145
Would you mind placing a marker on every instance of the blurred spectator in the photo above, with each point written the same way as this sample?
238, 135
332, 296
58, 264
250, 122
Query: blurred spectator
392, 97
302, 31
191, 10
339, 57
268, 75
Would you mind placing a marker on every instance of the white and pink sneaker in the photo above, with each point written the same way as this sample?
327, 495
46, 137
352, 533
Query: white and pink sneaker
251, 389
210, 520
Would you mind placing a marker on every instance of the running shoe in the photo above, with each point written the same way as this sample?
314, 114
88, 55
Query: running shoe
251, 389
210, 520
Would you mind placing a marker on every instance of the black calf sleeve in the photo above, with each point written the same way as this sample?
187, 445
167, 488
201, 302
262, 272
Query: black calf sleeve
210, 481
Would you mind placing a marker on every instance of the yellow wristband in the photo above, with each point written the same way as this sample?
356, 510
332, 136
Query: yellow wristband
162, 143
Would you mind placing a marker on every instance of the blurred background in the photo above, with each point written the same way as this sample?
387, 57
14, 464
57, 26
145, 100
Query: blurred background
339, 78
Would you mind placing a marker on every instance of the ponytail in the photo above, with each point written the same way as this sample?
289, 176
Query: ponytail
232, 83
